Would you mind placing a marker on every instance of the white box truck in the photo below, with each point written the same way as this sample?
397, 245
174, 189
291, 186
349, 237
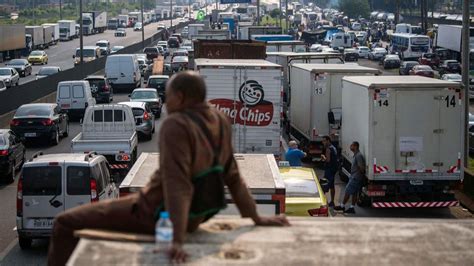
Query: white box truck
193, 29
286, 46
67, 30
410, 132
316, 102
55, 29
259, 171
249, 92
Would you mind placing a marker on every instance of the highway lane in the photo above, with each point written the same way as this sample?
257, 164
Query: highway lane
10, 252
61, 54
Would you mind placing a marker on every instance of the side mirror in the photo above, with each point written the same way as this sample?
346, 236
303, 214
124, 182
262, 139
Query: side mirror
331, 118
73, 56
129, 95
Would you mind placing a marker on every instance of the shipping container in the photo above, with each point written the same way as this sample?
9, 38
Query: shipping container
316, 102
249, 92
245, 33
259, 171
228, 49
410, 132
48, 35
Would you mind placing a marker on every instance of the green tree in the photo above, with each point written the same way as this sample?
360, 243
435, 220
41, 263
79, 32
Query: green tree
355, 8
275, 13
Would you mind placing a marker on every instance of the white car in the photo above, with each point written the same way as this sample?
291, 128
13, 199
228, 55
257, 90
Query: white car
363, 51
47, 71
9, 76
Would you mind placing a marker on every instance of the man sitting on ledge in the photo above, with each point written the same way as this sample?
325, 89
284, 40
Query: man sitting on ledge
196, 160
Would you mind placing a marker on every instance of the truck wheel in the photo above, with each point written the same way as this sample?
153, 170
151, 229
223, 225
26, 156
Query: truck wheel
25, 243
364, 201
55, 140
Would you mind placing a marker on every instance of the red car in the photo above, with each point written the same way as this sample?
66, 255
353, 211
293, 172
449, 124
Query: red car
429, 59
422, 70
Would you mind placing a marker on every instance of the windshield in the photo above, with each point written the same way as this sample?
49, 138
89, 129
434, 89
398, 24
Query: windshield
5, 72
35, 53
138, 24
2, 140
41, 180
144, 95
297, 187
87, 53
423, 68
47, 71
157, 82
116, 48
101, 44
33, 110
17, 62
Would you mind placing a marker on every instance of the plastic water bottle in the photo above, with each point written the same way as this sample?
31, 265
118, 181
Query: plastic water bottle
164, 231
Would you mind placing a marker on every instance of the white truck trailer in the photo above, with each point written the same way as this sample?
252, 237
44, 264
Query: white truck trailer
55, 31
249, 92
316, 102
286, 46
259, 171
410, 132
67, 30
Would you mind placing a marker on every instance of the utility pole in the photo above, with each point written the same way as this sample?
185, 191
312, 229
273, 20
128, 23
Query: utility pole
143, 26
60, 9
171, 13
286, 15
465, 73
81, 33
34, 12
258, 12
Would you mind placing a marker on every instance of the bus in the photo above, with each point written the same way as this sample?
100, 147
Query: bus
408, 28
409, 45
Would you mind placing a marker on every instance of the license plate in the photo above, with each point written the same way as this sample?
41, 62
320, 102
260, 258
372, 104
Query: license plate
30, 134
42, 223
416, 182
65, 105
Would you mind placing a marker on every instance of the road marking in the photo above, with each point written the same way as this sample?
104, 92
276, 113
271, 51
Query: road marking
7, 250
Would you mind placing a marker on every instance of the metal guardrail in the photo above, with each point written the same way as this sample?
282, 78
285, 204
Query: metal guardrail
14, 97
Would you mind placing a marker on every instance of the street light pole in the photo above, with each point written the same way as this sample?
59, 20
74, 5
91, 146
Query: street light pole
465, 73
258, 12
60, 9
171, 13
143, 26
81, 33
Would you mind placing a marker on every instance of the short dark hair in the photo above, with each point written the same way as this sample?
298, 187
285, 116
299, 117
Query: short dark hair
327, 138
356, 143
190, 84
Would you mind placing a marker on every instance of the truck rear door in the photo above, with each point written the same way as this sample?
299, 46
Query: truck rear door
43, 195
416, 125
450, 131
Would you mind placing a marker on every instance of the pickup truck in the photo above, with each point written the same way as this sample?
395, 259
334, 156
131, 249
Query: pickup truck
259, 171
109, 130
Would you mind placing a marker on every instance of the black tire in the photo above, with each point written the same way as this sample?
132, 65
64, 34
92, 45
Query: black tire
25, 243
149, 137
66, 132
10, 178
55, 140
364, 201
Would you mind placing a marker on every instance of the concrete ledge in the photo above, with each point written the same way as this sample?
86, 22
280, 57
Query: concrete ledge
6, 118
309, 241
465, 200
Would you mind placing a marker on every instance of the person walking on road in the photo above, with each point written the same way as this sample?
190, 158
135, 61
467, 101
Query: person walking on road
355, 181
331, 165
196, 160
294, 155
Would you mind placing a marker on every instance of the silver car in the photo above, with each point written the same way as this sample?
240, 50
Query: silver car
150, 96
144, 118
10, 76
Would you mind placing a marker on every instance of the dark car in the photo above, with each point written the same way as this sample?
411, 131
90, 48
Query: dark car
351, 55
173, 42
422, 70
158, 82
430, 59
450, 66
12, 154
151, 52
40, 121
22, 66
391, 61
101, 89
406, 66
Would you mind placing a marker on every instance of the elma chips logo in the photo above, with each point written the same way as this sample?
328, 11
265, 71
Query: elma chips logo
251, 110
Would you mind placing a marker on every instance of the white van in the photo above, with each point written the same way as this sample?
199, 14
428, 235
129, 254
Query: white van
74, 97
123, 72
50, 184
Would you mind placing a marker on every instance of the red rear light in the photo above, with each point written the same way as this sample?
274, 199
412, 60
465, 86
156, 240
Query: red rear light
47, 122
322, 211
4, 152
94, 196
15, 122
19, 198
105, 88
146, 116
